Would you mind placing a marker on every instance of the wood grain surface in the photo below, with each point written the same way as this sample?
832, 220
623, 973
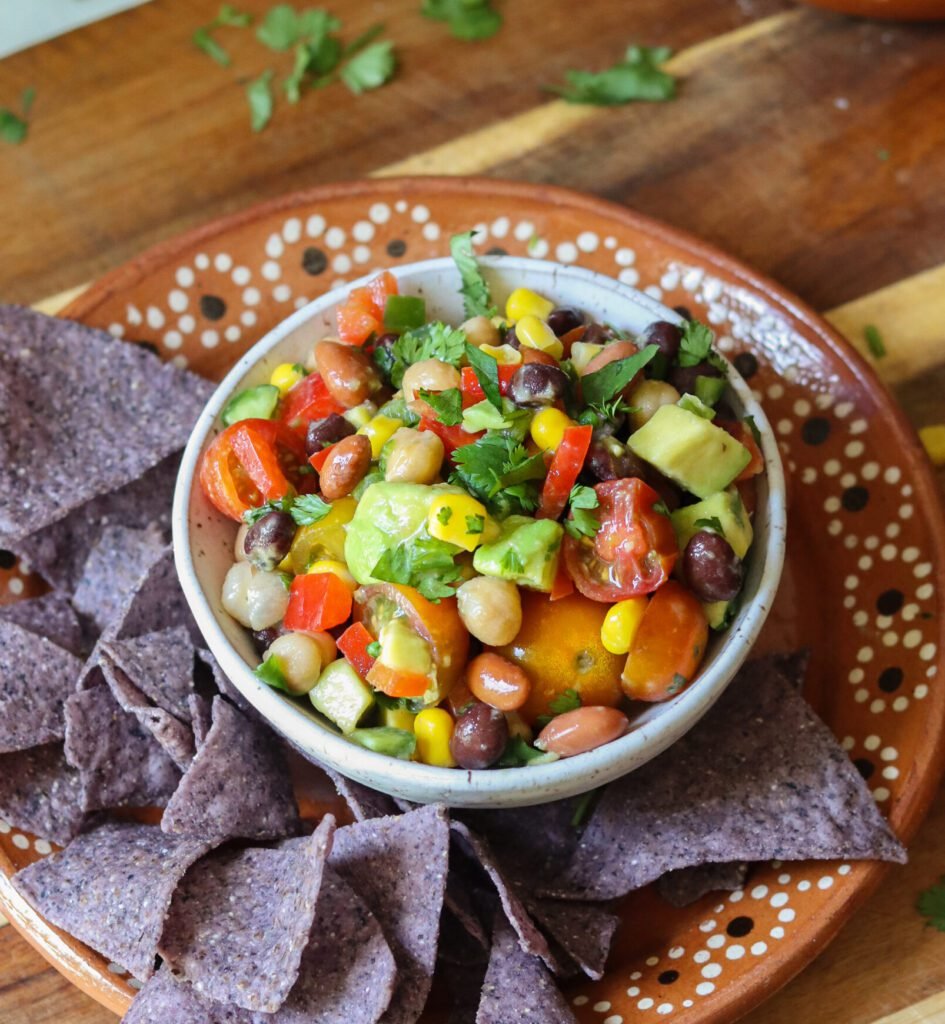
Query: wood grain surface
807, 144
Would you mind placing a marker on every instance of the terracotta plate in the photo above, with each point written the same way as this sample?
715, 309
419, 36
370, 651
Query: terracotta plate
865, 563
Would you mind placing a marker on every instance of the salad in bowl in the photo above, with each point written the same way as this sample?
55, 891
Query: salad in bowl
484, 544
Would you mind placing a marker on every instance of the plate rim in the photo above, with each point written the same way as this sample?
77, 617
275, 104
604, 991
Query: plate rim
929, 768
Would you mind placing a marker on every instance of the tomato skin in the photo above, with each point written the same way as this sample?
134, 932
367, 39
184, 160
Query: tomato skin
564, 470
472, 389
381, 288
308, 400
272, 453
363, 313
635, 548
668, 647
317, 603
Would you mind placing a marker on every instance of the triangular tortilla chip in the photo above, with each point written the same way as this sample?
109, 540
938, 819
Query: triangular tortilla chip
111, 888
40, 792
160, 664
50, 616
165, 1000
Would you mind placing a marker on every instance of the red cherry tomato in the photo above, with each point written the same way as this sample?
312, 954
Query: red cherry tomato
472, 389
668, 646
634, 550
251, 462
317, 602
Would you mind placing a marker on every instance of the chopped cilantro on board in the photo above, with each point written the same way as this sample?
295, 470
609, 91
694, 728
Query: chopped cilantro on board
931, 905
637, 77
370, 68
259, 98
13, 127
228, 17
469, 20
477, 300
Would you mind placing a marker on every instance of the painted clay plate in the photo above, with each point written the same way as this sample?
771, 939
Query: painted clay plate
862, 584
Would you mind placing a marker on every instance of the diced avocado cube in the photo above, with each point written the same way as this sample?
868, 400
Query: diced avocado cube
725, 511
397, 718
257, 403
525, 552
693, 452
719, 613
342, 696
403, 649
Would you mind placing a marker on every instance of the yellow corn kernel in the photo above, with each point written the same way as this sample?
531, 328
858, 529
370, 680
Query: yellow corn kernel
285, 376
458, 519
398, 718
525, 302
582, 352
361, 415
379, 431
534, 333
433, 728
548, 427
504, 355
933, 439
338, 568
621, 623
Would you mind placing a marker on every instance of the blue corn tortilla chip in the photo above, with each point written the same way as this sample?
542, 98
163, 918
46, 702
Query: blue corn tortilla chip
61, 550
50, 616
121, 763
40, 792
223, 684
85, 413
759, 778
238, 785
347, 974
241, 919
398, 867
160, 664
687, 885
363, 802
36, 678
165, 1000
584, 932
155, 601
529, 935
517, 986
201, 717
120, 558
175, 738
111, 888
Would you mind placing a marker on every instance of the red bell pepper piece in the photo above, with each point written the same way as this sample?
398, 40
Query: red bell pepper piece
472, 389
452, 437
563, 471
319, 459
396, 682
353, 644
363, 313
317, 602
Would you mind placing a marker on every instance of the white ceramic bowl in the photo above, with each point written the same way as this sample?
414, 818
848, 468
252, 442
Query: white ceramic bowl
203, 546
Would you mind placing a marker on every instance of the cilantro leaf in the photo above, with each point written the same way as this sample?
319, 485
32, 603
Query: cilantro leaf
602, 385
423, 563
518, 753
252, 515
14, 129
498, 471
370, 68
280, 28
270, 672
259, 97
511, 563
444, 515
475, 291
232, 17
484, 416
205, 42
469, 20
374, 649
636, 77
874, 341
712, 523
568, 700
432, 341
486, 368
583, 521
931, 905
695, 346
448, 405
475, 523
308, 509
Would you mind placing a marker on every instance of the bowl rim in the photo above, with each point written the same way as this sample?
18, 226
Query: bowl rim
484, 787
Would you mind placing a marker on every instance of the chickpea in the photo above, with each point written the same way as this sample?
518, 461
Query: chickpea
647, 397
345, 467
256, 599
491, 609
347, 372
429, 375
415, 457
300, 658
480, 330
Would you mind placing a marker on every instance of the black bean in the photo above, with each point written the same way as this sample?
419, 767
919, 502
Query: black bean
326, 431
608, 459
684, 311
268, 540
711, 568
565, 318
537, 384
598, 334
683, 378
263, 639
511, 338
480, 737
665, 336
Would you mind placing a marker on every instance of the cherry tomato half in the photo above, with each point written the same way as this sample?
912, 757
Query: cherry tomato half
668, 646
251, 462
635, 548
308, 400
